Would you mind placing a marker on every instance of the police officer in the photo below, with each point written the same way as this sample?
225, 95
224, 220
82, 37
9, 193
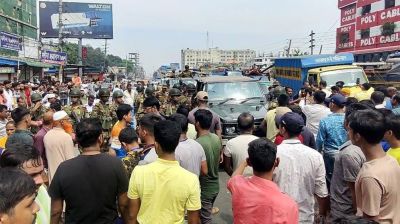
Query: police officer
139, 102
186, 73
76, 111
162, 95
37, 110
191, 94
173, 103
103, 111
150, 91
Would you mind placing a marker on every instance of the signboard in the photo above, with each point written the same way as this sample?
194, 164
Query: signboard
10, 41
378, 41
80, 20
343, 3
54, 57
348, 15
367, 21
345, 39
7, 70
361, 3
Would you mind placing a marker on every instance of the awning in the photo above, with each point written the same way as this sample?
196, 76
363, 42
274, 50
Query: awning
38, 64
4, 61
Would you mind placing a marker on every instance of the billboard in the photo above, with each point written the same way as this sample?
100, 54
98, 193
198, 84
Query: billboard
10, 41
80, 20
348, 15
54, 57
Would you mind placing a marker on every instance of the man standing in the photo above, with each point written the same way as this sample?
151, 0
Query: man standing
258, 195
348, 163
186, 73
365, 94
124, 119
269, 120
22, 119
145, 131
28, 159
39, 143
377, 184
160, 192
316, 112
105, 182
129, 95
294, 157
396, 104
75, 110
393, 136
212, 145
152, 105
8, 94
189, 153
202, 103
18, 192
331, 134
173, 102
58, 142
323, 87
235, 151
3, 120
90, 104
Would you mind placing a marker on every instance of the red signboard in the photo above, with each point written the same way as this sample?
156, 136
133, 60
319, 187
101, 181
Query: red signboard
389, 15
343, 3
361, 3
367, 21
345, 39
378, 41
348, 15
84, 53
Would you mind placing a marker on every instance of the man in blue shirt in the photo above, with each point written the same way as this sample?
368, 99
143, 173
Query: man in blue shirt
331, 134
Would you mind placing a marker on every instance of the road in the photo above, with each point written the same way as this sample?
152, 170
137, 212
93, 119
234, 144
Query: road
223, 202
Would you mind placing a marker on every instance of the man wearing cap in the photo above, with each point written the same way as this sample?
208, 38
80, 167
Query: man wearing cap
331, 134
58, 142
294, 157
202, 102
51, 98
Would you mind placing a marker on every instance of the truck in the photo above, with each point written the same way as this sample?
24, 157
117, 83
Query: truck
294, 71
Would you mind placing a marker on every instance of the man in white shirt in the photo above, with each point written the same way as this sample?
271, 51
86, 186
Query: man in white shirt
189, 153
8, 94
301, 171
235, 151
323, 86
315, 112
129, 95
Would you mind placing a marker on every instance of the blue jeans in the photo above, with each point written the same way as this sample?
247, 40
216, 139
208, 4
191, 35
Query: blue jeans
329, 160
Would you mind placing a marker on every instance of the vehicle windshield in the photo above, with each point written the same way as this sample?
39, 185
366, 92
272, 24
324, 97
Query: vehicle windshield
348, 76
235, 90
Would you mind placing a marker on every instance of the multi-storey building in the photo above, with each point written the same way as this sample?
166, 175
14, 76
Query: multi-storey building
369, 28
197, 58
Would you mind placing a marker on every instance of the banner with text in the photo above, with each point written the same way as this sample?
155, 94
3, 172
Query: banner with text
54, 57
348, 15
10, 41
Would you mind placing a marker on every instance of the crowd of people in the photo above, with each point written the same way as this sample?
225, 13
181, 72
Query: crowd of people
77, 153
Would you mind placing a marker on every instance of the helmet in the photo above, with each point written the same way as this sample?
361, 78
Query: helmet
118, 94
36, 97
191, 87
149, 91
139, 89
278, 91
104, 93
174, 92
75, 92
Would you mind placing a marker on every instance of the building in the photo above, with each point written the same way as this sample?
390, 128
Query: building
197, 58
369, 28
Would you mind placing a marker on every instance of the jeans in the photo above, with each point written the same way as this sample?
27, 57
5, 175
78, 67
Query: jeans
329, 160
206, 209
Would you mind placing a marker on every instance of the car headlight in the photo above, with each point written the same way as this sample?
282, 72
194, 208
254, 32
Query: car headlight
230, 130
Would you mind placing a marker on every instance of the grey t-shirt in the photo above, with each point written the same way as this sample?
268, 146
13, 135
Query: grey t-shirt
216, 121
190, 154
348, 163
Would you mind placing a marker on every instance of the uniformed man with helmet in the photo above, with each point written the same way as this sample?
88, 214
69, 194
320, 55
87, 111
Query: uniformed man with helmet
139, 101
103, 111
76, 111
37, 110
173, 103
162, 95
150, 91
186, 73
191, 94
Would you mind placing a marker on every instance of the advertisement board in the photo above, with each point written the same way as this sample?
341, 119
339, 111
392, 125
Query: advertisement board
348, 15
54, 57
10, 41
345, 40
80, 20
343, 3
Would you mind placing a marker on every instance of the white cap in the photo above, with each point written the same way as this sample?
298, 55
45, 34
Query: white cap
59, 115
51, 95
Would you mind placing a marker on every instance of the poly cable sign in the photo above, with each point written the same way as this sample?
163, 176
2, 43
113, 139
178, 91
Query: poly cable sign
10, 41
79, 20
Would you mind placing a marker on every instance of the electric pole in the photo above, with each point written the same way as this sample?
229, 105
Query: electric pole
320, 49
105, 55
312, 41
60, 37
288, 49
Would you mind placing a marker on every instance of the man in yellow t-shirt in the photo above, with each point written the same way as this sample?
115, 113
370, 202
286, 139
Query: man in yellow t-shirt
392, 135
161, 191
365, 94
10, 129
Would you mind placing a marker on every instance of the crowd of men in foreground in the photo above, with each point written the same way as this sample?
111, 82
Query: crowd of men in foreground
137, 155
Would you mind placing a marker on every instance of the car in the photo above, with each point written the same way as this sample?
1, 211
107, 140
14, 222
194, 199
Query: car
172, 81
229, 96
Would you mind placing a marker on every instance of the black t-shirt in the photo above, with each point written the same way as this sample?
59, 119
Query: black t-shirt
90, 185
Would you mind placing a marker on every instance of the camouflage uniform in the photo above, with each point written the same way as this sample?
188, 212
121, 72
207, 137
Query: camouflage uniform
130, 161
162, 97
186, 74
139, 106
107, 116
171, 107
76, 112
37, 115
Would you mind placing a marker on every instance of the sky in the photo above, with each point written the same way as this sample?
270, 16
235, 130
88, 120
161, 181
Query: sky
159, 29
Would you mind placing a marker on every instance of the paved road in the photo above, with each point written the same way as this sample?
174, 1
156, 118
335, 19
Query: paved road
223, 202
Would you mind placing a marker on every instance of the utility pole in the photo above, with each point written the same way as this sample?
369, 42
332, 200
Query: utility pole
80, 63
320, 49
312, 41
60, 37
105, 54
288, 49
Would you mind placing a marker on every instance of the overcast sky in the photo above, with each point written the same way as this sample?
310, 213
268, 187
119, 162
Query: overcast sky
159, 29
